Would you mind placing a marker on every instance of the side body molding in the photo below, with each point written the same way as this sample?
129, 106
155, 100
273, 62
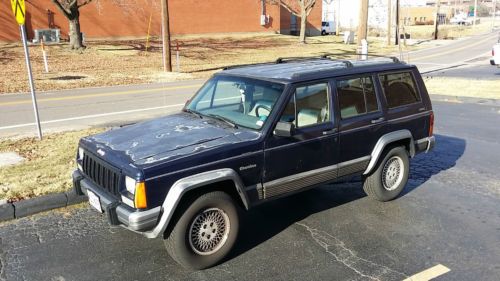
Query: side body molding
386, 140
180, 187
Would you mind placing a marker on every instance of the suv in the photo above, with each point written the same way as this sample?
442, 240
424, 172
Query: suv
253, 134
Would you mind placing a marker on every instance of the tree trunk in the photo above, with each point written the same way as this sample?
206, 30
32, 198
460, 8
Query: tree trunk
75, 36
303, 27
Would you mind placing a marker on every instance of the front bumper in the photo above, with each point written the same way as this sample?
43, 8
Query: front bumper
117, 212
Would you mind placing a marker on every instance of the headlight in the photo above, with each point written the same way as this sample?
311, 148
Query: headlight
130, 184
80, 153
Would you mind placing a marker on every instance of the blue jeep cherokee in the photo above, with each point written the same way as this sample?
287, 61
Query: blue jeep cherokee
252, 134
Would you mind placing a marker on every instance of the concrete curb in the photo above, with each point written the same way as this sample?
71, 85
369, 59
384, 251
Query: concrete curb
23, 208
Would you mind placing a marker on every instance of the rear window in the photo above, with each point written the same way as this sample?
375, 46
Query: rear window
356, 96
399, 89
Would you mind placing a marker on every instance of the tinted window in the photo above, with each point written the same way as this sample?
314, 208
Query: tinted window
356, 96
399, 89
308, 106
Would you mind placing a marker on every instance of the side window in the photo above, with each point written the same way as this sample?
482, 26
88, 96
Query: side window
308, 106
399, 89
356, 96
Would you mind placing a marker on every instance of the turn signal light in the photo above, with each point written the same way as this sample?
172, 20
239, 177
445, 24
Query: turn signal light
140, 200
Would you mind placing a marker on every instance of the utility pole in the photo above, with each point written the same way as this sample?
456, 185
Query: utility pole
475, 13
389, 21
396, 42
167, 63
494, 14
363, 21
337, 18
436, 19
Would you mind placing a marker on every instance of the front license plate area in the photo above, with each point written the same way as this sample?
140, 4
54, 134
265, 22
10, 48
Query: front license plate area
94, 201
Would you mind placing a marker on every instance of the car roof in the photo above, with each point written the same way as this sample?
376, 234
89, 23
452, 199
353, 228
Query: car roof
305, 69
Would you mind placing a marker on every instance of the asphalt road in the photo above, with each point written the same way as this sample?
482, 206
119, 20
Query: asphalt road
449, 215
81, 108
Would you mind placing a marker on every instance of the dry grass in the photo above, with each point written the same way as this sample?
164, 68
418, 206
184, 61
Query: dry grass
47, 168
449, 31
126, 62
487, 89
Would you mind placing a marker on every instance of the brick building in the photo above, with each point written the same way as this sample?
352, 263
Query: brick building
103, 19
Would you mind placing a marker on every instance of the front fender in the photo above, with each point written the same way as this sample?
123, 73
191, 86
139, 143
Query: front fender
180, 187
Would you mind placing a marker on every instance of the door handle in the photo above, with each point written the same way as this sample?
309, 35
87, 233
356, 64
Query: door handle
378, 120
329, 132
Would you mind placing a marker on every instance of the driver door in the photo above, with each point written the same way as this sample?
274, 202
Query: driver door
310, 155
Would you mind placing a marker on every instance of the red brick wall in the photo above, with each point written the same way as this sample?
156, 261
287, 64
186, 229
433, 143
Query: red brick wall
106, 19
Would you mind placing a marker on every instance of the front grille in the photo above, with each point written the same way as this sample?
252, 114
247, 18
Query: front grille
101, 173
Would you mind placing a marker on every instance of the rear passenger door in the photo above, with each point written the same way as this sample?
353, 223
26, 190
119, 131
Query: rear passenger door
361, 121
309, 156
405, 109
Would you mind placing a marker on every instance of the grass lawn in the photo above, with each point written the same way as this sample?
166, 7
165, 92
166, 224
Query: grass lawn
47, 167
476, 88
449, 31
106, 63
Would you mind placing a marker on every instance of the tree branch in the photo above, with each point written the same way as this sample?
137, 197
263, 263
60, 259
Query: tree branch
61, 8
284, 5
84, 3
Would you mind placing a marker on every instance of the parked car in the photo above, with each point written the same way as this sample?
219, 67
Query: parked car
461, 19
253, 134
495, 54
328, 27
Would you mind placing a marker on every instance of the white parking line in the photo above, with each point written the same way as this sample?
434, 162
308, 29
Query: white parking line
91, 116
429, 274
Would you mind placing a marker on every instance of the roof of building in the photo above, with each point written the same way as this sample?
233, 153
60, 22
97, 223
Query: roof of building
303, 69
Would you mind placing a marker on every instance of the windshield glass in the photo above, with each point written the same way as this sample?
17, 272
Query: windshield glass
242, 101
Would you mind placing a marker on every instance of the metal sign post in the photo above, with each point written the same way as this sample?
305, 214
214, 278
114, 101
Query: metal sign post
19, 10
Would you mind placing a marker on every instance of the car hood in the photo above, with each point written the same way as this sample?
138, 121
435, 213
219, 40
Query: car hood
165, 138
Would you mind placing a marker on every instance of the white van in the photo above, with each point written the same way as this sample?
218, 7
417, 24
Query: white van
495, 54
327, 27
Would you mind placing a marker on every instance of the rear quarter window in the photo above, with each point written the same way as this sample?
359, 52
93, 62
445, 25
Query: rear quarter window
399, 89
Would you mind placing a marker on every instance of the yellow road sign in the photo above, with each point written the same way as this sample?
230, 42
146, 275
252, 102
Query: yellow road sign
19, 10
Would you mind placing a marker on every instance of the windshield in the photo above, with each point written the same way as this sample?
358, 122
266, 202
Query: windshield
241, 101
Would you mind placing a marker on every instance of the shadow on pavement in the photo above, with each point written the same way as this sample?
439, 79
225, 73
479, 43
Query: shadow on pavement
266, 221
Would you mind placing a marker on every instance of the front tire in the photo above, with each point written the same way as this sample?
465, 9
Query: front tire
390, 177
205, 232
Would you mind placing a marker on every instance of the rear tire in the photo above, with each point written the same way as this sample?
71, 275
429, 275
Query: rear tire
205, 232
389, 178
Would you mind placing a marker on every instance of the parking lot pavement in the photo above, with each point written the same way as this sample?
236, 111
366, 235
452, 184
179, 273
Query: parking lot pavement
449, 215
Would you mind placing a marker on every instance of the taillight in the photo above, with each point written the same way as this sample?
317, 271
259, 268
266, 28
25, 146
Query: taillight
431, 124
493, 52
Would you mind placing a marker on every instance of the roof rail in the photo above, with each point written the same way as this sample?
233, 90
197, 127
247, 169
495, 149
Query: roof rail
394, 59
243, 65
285, 59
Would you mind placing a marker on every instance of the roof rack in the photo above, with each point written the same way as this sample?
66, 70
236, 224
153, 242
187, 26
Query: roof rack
394, 59
243, 65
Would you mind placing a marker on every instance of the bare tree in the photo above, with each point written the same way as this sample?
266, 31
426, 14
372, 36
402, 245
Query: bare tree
71, 10
299, 8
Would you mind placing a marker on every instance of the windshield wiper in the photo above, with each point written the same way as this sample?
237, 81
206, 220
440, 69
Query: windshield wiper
193, 112
224, 119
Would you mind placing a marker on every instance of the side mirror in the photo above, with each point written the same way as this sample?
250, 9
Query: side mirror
284, 129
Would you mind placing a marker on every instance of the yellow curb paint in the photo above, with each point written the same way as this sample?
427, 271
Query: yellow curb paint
102, 95
429, 274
